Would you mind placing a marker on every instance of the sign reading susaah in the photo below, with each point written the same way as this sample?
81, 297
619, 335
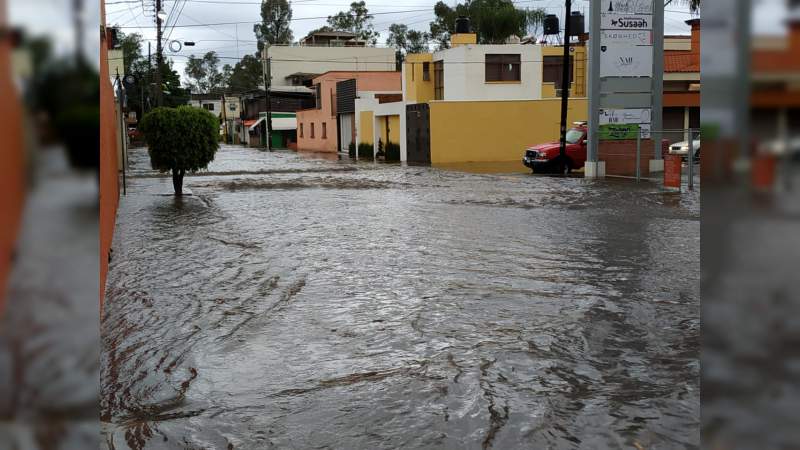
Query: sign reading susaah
627, 22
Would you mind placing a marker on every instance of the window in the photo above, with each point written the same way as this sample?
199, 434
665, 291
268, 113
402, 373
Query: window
502, 67
208, 106
553, 69
232, 106
438, 80
426, 71
324, 130
312, 130
301, 130
333, 103
317, 97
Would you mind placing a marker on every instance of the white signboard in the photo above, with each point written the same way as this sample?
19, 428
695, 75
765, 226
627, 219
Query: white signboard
626, 22
626, 61
644, 130
626, 37
627, 7
625, 116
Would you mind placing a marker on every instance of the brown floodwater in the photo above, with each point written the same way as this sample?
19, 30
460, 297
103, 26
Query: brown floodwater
297, 302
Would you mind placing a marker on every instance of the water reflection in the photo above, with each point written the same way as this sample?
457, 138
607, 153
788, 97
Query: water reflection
299, 303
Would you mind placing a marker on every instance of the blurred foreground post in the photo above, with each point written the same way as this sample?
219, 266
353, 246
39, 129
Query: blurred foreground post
12, 183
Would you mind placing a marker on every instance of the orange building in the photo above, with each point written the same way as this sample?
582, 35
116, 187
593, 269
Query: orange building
682, 80
775, 96
12, 159
109, 176
318, 128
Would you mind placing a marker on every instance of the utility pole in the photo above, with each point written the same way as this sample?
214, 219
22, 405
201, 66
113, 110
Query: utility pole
267, 82
149, 77
565, 83
159, 57
77, 8
224, 119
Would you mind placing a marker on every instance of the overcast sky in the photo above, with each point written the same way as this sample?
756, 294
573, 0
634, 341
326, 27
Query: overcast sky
231, 42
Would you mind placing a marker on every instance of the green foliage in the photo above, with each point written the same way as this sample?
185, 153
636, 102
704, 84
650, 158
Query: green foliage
204, 73
276, 15
351, 149
183, 138
357, 20
69, 92
392, 152
142, 96
407, 41
366, 151
246, 75
492, 20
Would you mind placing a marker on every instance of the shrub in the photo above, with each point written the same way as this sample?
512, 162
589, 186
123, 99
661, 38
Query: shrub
351, 149
392, 152
179, 140
366, 151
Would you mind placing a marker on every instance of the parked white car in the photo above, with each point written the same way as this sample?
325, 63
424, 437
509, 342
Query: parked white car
682, 149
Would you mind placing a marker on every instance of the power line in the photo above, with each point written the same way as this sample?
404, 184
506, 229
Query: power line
293, 19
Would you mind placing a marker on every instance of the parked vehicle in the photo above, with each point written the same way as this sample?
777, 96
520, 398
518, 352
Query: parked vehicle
544, 158
682, 149
782, 148
133, 133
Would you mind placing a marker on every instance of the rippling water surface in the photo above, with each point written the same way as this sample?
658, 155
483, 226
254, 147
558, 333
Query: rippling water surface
297, 302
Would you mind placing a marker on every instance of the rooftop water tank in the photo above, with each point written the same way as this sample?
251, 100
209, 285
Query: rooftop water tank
462, 25
551, 24
576, 24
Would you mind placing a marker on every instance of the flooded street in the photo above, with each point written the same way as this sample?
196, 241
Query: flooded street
298, 302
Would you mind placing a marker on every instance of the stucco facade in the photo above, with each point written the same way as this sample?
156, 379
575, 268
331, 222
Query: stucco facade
464, 69
290, 60
317, 127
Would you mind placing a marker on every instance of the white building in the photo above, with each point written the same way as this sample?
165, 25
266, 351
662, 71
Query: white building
488, 72
297, 65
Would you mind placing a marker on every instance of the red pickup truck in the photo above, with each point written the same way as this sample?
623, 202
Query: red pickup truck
543, 158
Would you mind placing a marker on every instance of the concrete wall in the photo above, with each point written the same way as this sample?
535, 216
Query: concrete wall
366, 81
287, 60
109, 175
485, 131
465, 73
415, 88
580, 75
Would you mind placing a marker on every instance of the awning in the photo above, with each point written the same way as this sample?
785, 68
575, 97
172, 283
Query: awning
284, 123
278, 123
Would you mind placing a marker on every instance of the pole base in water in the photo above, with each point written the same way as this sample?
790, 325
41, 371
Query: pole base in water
656, 165
594, 169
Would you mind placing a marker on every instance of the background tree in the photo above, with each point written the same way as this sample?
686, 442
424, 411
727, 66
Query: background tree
535, 21
694, 5
179, 140
276, 15
492, 20
357, 20
247, 74
406, 41
204, 73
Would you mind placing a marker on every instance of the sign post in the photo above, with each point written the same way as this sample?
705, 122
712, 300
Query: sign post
626, 75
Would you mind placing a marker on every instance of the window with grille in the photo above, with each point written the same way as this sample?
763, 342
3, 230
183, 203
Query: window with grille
554, 67
438, 80
426, 71
502, 67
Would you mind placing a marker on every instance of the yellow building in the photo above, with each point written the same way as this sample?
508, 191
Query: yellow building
475, 103
552, 68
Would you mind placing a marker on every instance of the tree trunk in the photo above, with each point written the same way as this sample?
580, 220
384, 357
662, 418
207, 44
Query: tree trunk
177, 181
